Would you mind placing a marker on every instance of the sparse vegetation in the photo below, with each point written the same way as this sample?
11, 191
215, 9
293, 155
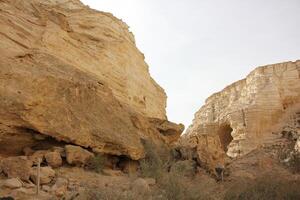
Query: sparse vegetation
111, 194
97, 163
156, 162
295, 163
184, 168
264, 188
290, 158
172, 176
175, 187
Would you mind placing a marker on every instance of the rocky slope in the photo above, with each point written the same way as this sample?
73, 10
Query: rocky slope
75, 74
246, 114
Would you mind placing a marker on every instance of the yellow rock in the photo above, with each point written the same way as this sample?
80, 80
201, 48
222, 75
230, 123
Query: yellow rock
75, 74
246, 114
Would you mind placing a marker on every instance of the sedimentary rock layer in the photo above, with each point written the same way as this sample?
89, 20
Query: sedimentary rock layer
74, 74
245, 114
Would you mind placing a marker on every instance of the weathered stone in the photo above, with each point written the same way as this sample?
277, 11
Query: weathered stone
46, 188
246, 114
169, 130
12, 183
23, 191
16, 167
88, 101
297, 146
28, 184
47, 174
60, 187
77, 155
28, 151
38, 156
60, 150
53, 159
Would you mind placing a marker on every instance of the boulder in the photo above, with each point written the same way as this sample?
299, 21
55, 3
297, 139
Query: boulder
22, 192
38, 156
12, 183
53, 159
47, 174
77, 155
169, 130
46, 188
16, 167
60, 150
28, 185
60, 187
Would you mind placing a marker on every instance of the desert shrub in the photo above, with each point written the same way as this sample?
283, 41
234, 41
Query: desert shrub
264, 188
97, 163
290, 158
110, 194
172, 177
156, 161
294, 163
184, 168
174, 186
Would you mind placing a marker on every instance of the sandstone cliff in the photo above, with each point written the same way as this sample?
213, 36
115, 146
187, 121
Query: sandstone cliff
74, 74
246, 114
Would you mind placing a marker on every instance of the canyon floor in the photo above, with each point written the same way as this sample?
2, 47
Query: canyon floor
82, 119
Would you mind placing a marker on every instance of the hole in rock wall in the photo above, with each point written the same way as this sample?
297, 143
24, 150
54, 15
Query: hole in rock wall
225, 136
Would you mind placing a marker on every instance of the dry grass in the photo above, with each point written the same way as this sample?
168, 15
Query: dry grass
97, 163
156, 162
172, 176
111, 194
264, 188
294, 163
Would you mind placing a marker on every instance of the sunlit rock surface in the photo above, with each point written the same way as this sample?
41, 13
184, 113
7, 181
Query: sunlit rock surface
245, 114
74, 74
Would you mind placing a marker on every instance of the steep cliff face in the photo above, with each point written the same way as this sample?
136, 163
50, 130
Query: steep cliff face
244, 115
74, 74
91, 41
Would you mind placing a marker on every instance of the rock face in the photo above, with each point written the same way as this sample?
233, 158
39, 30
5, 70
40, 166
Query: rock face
244, 115
16, 167
74, 74
12, 183
47, 174
53, 159
77, 155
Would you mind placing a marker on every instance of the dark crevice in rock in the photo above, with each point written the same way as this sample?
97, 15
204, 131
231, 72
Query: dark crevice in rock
225, 136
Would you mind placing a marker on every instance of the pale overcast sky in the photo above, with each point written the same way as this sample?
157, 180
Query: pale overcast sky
197, 47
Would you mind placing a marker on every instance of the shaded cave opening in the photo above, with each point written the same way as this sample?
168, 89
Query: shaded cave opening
225, 136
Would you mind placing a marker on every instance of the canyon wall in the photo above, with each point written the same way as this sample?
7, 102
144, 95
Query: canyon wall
246, 114
76, 75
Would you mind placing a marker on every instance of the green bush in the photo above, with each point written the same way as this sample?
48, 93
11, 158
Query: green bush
97, 163
156, 162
